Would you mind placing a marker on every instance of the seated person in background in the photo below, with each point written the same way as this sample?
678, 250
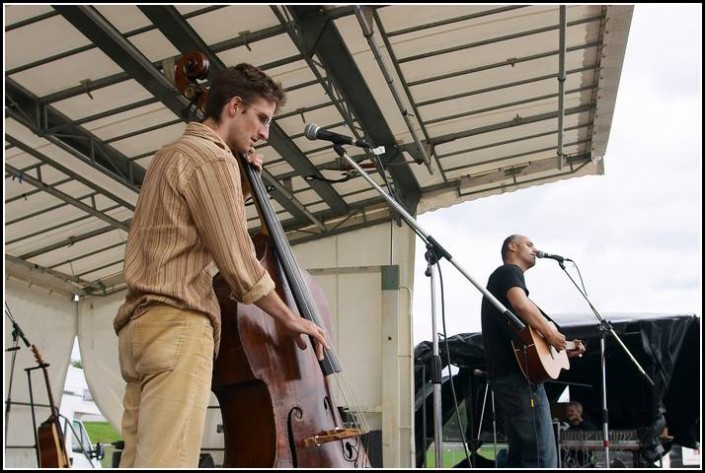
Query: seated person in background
574, 417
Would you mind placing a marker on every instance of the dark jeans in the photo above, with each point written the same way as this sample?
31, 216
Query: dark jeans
527, 422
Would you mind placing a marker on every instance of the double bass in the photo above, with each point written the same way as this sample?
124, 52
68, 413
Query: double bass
277, 401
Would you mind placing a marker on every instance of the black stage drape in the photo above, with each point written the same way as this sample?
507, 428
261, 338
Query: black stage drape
666, 347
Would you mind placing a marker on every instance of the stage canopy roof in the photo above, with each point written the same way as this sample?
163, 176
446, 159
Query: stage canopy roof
468, 101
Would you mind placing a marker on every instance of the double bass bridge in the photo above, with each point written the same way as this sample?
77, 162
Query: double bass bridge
339, 433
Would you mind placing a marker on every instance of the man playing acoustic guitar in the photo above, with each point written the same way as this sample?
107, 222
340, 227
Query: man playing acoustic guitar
514, 359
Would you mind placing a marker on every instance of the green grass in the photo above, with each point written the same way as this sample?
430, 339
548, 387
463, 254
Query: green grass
453, 453
104, 433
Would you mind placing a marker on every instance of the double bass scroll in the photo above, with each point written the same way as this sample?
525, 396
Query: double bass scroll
278, 402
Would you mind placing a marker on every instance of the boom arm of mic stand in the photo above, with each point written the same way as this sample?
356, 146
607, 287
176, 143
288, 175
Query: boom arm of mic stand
438, 249
605, 325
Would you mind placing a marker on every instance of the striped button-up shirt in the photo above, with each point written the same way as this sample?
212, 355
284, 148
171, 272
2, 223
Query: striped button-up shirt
190, 219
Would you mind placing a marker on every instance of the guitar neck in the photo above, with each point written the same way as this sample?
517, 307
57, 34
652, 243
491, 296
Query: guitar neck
52, 404
50, 395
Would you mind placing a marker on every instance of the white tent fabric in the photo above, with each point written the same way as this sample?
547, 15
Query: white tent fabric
98, 345
48, 322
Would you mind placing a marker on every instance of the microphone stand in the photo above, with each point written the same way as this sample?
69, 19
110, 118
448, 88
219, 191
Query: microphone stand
16, 333
435, 250
494, 420
436, 370
605, 327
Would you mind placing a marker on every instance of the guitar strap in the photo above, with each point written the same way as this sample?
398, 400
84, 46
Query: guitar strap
548, 318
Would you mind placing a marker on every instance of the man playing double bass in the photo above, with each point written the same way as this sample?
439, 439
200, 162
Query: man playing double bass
190, 218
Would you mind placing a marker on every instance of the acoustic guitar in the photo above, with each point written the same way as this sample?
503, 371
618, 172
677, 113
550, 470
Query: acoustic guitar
538, 360
52, 449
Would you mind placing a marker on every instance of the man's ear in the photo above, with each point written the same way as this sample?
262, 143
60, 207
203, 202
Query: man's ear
234, 105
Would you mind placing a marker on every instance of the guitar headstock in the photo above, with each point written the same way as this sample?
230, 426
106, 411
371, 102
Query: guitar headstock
37, 356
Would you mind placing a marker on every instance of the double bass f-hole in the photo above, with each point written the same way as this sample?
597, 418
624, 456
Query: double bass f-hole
277, 401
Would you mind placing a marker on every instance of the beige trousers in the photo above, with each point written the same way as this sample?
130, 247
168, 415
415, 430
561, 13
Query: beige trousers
166, 358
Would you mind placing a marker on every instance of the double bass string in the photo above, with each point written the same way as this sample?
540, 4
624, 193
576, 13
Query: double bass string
355, 422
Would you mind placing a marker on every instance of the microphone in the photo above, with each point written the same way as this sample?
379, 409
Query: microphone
315, 132
479, 373
560, 259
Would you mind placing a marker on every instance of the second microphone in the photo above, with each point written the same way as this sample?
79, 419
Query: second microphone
315, 132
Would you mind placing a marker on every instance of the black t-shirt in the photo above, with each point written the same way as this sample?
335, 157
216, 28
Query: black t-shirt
496, 329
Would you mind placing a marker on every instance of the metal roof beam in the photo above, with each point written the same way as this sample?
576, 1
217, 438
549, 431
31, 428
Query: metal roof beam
26, 271
73, 240
321, 37
27, 109
65, 197
103, 34
509, 124
63, 169
52, 228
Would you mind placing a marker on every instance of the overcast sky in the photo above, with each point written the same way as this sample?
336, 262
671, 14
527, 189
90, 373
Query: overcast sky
635, 232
